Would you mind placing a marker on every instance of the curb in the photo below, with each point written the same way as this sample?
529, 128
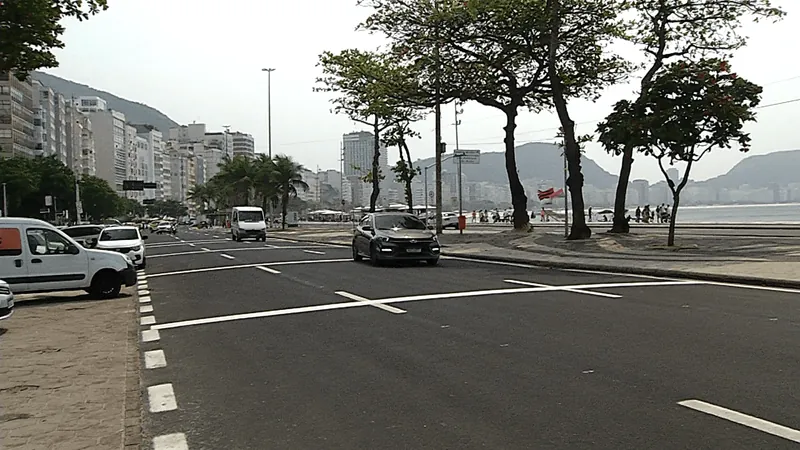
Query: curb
663, 273
132, 439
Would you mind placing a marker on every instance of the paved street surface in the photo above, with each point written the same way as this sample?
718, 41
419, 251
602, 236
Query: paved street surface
66, 365
289, 345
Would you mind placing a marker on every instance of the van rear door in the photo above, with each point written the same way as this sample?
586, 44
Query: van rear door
13, 269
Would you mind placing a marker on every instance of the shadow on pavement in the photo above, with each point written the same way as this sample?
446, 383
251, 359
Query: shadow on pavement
45, 299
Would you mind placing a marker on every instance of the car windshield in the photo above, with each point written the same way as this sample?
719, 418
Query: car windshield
251, 216
82, 231
406, 221
121, 234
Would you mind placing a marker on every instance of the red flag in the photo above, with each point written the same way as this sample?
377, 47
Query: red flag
547, 193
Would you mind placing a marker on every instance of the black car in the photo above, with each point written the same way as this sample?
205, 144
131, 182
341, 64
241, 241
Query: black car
394, 236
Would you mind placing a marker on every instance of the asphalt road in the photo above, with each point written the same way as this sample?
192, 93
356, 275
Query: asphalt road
460, 356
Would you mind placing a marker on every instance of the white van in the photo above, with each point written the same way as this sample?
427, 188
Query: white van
248, 222
37, 257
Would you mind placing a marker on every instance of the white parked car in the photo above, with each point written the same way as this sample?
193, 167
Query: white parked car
126, 240
6, 300
165, 227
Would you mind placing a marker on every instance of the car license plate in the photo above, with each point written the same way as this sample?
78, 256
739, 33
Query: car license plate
414, 250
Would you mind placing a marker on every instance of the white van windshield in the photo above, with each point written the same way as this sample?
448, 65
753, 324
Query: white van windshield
251, 216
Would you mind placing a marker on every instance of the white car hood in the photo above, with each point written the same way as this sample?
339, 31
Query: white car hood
119, 244
252, 225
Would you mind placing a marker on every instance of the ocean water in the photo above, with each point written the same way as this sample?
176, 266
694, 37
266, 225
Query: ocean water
772, 213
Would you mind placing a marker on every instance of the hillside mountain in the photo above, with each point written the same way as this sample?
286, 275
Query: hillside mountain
136, 113
761, 171
535, 162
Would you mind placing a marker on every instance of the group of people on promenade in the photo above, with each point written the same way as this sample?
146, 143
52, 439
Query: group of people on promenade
661, 214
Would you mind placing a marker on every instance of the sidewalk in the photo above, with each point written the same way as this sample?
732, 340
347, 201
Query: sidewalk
757, 261
69, 375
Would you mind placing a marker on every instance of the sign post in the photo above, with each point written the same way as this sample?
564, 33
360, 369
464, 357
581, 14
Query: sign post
464, 157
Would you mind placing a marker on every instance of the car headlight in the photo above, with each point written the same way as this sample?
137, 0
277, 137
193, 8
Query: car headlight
384, 239
137, 248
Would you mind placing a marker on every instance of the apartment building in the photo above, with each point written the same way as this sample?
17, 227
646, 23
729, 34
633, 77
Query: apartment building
153, 159
90, 104
111, 152
183, 168
243, 144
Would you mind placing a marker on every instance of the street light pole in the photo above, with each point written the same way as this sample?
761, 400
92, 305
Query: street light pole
460, 202
5, 202
269, 71
225, 136
438, 120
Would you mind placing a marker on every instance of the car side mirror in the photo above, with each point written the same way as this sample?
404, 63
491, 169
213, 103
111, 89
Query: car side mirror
73, 250
366, 228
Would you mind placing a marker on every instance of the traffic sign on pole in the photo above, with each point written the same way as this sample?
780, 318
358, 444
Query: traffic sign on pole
467, 156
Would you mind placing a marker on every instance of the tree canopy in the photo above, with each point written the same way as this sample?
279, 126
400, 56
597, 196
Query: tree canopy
31, 29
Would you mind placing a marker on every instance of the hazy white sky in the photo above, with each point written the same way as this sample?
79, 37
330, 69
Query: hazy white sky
201, 60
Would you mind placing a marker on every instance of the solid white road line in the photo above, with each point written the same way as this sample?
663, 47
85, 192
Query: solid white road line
743, 419
314, 252
576, 291
544, 267
758, 288
150, 336
154, 359
162, 398
175, 441
145, 299
226, 256
146, 309
241, 266
413, 298
269, 270
143, 292
147, 320
358, 298
235, 249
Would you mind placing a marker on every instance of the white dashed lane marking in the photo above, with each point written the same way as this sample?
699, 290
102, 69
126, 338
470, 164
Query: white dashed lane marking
143, 292
313, 252
268, 269
146, 309
147, 320
145, 299
150, 335
226, 256
743, 419
162, 398
175, 441
155, 359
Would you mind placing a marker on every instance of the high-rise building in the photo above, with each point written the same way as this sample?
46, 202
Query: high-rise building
16, 117
90, 104
153, 160
243, 144
222, 141
88, 163
60, 105
111, 152
44, 107
195, 132
358, 152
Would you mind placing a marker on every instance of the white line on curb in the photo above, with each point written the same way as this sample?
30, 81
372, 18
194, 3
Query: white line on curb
162, 398
314, 252
143, 286
150, 335
155, 359
268, 269
175, 441
147, 320
145, 299
146, 309
743, 419
358, 298
226, 256
143, 292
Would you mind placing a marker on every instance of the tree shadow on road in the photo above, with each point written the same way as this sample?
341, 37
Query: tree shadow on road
47, 300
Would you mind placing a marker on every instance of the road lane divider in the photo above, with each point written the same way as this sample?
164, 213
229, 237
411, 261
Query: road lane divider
242, 266
147, 320
155, 359
162, 398
742, 419
234, 249
313, 252
269, 270
226, 256
358, 298
146, 309
150, 335
145, 299
143, 292
574, 291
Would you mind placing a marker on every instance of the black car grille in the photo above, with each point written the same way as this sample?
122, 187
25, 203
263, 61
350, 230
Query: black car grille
4, 290
122, 250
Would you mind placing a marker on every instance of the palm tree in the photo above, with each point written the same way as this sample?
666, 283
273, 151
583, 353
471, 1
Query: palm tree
201, 195
288, 177
264, 181
237, 177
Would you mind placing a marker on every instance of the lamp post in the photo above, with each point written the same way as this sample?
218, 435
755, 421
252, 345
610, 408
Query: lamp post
5, 202
269, 71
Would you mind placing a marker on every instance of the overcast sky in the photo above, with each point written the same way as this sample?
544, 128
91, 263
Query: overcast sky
201, 60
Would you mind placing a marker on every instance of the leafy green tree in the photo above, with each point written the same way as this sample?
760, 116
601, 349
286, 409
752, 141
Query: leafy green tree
99, 198
21, 183
590, 26
288, 178
404, 170
237, 177
667, 30
265, 186
130, 208
31, 29
690, 108
364, 85
171, 208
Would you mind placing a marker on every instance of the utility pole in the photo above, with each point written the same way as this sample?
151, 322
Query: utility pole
78, 205
269, 126
5, 202
341, 178
455, 151
566, 197
438, 119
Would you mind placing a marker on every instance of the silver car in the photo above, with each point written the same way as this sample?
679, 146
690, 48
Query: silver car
6, 301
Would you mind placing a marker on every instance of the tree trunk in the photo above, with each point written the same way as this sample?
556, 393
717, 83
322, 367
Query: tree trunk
284, 206
572, 150
518, 198
621, 224
409, 175
376, 168
671, 236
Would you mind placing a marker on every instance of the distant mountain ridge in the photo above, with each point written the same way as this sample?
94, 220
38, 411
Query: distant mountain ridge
135, 113
761, 171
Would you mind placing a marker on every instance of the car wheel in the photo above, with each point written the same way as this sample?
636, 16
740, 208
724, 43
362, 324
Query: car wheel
356, 256
373, 256
106, 285
432, 262
143, 265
